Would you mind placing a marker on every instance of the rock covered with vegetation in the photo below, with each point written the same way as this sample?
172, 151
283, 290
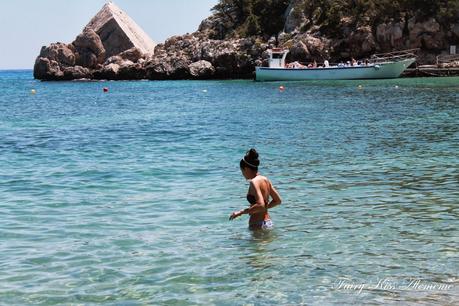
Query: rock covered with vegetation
339, 29
235, 39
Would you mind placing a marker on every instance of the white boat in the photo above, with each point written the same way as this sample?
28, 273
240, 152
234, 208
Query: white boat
381, 66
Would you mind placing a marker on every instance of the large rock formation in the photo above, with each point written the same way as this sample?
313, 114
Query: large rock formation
111, 32
118, 32
112, 46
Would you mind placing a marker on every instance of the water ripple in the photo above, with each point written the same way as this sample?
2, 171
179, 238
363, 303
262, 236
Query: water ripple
124, 198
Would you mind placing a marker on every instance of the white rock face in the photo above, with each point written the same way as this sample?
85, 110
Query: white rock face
294, 17
119, 32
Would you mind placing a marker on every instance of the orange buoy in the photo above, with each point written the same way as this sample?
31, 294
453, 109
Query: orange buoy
105, 89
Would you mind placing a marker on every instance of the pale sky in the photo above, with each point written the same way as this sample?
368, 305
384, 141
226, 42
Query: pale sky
27, 25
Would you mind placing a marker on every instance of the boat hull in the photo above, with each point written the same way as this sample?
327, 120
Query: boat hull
380, 71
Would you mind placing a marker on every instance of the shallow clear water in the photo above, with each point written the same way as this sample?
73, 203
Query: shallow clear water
123, 198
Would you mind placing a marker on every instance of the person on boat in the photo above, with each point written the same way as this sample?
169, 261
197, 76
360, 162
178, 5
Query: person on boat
354, 62
295, 65
326, 63
314, 64
260, 190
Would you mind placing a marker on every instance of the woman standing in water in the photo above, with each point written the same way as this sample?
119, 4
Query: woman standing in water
260, 191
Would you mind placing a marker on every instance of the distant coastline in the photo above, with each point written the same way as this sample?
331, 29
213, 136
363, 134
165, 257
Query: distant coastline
16, 69
232, 42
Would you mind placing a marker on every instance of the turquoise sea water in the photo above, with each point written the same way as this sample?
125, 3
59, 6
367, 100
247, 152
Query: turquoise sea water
123, 198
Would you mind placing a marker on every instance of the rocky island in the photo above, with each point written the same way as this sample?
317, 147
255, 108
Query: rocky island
235, 39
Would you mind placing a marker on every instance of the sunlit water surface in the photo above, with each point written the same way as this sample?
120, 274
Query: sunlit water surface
123, 197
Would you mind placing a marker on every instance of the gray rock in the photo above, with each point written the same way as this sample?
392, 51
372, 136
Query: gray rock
91, 42
133, 71
213, 28
46, 69
116, 59
89, 49
87, 59
201, 70
179, 68
294, 16
362, 42
226, 63
60, 53
390, 35
126, 63
134, 55
108, 72
119, 32
426, 34
77, 72
158, 69
300, 52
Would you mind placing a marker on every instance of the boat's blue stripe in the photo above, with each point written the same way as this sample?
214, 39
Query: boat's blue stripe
323, 68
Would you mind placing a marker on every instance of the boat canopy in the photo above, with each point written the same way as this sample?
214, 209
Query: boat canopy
277, 58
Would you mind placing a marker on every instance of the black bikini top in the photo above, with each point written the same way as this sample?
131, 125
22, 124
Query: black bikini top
251, 199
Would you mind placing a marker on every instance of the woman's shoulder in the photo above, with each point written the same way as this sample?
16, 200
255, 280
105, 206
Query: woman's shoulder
261, 179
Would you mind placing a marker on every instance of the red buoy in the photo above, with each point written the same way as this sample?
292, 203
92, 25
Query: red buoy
105, 89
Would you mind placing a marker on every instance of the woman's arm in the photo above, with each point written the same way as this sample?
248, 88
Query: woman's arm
256, 208
276, 199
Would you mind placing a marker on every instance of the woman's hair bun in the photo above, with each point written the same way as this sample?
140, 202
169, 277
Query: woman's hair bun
252, 153
252, 157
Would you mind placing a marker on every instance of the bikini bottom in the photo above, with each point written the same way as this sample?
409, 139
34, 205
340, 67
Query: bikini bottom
264, 225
